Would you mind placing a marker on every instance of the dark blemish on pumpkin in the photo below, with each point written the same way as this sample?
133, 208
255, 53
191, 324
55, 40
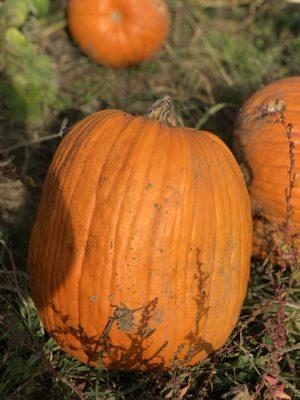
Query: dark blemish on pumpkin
190, 249
91, 243
149, 186
111, 244
153, 273
71, 347
116, 16
148, 332
70, 248
157, 207
103, 179
227, 282
222, 270
158, 320
93, 299
161, 250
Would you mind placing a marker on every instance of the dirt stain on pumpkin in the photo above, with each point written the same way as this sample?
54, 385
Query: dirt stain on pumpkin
157, 207
93, 299
124, 317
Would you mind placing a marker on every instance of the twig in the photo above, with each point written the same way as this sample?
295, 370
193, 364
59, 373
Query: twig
60, 134
53, 29
50, 368
20, 389
74, 388
8, 288
47, 367
15, 272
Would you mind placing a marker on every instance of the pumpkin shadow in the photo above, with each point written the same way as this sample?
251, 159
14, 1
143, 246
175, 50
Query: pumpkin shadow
103, 353
133, 357
100, 348
196, 343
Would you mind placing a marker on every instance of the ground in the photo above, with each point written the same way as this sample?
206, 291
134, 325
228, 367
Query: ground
218, 52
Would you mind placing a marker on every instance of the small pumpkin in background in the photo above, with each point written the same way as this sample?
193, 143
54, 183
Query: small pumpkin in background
140, 252
267, 142
118, 33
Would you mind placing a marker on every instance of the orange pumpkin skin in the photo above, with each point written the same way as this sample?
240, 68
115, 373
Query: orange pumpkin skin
118, 33
262, 143
141, 245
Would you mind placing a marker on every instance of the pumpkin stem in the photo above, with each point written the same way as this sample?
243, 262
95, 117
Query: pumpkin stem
163, 111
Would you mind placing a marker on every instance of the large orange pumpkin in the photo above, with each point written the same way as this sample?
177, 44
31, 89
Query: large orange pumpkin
141, 246
118, 33
268, 143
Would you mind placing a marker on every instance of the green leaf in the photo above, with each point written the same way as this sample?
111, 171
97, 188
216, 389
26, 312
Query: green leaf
15, 12
41, 7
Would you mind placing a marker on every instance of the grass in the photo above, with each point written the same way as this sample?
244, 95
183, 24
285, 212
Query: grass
217, 54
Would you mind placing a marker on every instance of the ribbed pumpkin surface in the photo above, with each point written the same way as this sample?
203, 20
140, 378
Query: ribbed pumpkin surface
262, 142
118, 33
141, 244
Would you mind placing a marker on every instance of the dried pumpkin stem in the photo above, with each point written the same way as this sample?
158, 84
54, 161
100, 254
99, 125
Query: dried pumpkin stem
163, 111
